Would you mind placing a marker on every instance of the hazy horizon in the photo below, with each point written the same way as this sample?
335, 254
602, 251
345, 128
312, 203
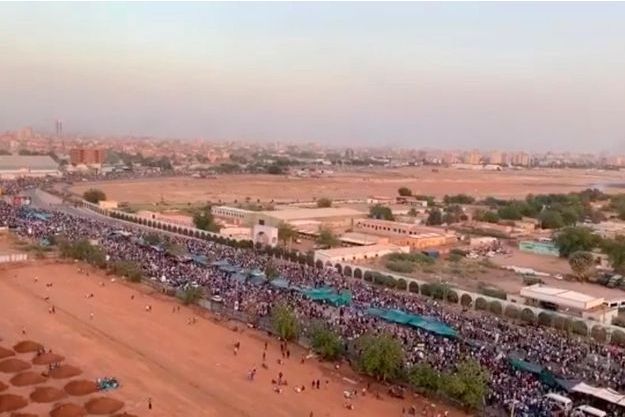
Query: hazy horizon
533, 76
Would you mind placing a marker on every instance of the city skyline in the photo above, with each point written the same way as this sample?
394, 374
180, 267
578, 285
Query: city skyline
412, 75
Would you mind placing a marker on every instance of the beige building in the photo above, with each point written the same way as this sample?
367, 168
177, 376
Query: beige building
414, 236
233, 215
331, 257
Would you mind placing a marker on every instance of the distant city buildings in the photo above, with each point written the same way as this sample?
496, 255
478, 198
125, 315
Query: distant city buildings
84, 156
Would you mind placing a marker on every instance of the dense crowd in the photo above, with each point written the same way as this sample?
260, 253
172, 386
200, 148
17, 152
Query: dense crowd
487, 338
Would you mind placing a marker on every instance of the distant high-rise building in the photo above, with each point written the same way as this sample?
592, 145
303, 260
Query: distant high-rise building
473, 158
79, 156
520, 159
59, 128
495, 158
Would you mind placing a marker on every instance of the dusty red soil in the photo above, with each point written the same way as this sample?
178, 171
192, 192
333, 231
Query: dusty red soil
11, 402
3, 386
24, 415
27, 378
125, 415
47, 358
196, 375
65, 371
5, 353
68, 410
103, 405
81, 387
13, 365
46, 394
27, 346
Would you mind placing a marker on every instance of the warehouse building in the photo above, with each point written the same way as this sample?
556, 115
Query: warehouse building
19, 166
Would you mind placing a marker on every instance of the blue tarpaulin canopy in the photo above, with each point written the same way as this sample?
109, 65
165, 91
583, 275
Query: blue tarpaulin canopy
223, 262
257, 273
329, 295
281, 283
421, 322
229, 268
200, 259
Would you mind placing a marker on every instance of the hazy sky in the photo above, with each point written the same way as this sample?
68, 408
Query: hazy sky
488, 75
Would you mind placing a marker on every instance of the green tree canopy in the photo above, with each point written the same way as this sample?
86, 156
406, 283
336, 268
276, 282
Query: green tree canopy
285, 322
381, 212
615, 249
325, 341
582, 263
203, 219
94, 196
458, 199
435, 217
551, 219
576, 238
286, 233
327, 239
380, 356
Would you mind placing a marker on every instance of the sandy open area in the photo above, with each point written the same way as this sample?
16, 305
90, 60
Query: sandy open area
355, 185
187, 370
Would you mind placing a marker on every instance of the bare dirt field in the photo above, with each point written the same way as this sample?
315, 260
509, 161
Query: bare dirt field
186, 369
356, 185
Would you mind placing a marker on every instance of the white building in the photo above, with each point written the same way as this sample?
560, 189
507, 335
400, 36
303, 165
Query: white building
17, 166
355, 253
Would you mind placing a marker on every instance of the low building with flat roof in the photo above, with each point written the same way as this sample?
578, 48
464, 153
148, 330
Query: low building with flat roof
361, 239
234, 215
19, 166
415, 236
331, 257
571, 302
330, 217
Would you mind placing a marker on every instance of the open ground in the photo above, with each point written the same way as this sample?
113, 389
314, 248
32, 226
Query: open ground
356, 184
186, 369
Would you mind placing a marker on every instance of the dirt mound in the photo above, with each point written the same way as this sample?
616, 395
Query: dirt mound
124, 414
68, 410
5, 353
47, 358
27, 346
13, 365
10, 402
81, 387
27, 378
65, 371
46, 394
103, 405
3, 386
24, 415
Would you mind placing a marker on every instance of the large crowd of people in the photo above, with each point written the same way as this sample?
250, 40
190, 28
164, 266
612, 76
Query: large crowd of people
487, 338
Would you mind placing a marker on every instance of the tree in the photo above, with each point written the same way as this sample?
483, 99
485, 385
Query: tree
486, 216
551, 219
129, 269
203, 219
474, 379
458, 199
574, 238
423, 376
286, 233
325, 341
435, 218
94, 195
324, 202
381, 212
615, 249
510, 212
275, 170
380, 356
271, 272
412, 212
404, 192
191, 295
582, 263
327, 239
285, 322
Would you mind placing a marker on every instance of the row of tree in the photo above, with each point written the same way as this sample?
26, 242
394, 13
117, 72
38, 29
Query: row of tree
381, 356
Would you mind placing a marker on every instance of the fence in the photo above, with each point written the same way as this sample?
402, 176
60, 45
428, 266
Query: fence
13, 257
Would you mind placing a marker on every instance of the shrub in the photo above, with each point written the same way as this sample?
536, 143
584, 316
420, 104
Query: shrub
494, 292
439, 291
325, 341
511, 312
452, 297
599, 333
129, 269
413, 287
357, 273
368, 276
390, 281
466, 300
495, 307
481, 304
400, 266
531, 280
284, 322
401, 284
191, 295
618, 338
426, 289
378, 278
528, 316
380, 356
545, 319
94, 196
454, 257
579, 327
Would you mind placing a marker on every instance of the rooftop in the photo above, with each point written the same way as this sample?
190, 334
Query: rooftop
312, 213
38, 162
561, 297
357, 250
360, 238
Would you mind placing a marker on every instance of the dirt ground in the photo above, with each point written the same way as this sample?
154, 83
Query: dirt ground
186, 369
357, 184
